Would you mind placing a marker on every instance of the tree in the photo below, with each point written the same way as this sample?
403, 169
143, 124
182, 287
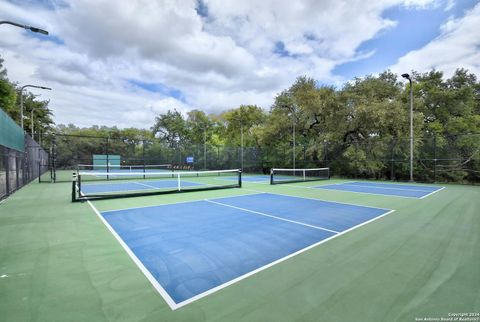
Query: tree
171, 128
245, 119
8, 96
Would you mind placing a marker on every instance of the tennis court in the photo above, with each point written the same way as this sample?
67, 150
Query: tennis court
287, 249
387, 189
191, 249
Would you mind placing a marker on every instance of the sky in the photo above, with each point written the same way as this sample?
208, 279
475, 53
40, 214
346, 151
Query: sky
121, 63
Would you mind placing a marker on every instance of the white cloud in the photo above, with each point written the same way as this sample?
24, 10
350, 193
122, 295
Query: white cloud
217, 63
457, 46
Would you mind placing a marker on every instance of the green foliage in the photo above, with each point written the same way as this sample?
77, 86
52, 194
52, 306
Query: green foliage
171, 128
10, 103
8, 96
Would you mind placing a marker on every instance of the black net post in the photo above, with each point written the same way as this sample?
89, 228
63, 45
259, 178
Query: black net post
74, 182
240, 178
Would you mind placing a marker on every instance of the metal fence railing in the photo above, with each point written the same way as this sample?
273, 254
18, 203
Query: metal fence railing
21, 158
440, 158
18, 168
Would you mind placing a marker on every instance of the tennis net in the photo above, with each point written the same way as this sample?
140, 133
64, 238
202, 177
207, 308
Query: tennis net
278, 176
103, 185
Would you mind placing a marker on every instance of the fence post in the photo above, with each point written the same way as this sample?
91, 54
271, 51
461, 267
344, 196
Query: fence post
54, 159
392, 161
7, 167
435, 158
107, 152
325, 153
143, 157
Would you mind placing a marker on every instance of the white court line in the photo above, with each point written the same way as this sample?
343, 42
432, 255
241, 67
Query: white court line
390, 188
147, 185
139, 264
431, 193
235, 280
337, 202
167, 297
174, 203
366, 193
425, 185
271, 216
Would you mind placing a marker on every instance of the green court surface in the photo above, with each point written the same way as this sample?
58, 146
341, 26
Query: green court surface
59, 262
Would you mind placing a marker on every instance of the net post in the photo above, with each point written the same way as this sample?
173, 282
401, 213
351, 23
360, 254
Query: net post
178, 182
74, 182
240, 178
271, 176
304, 179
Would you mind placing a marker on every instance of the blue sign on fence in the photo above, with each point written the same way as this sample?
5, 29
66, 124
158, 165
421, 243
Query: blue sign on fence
189, 159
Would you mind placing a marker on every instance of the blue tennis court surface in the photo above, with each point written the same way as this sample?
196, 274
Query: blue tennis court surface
194, 248
91, 188
388, 189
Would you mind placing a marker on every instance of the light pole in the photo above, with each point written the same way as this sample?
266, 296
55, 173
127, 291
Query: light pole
241, 147
240, 119
33, 125
407, 76
293, 110
204, 147
33, 29
31, 120
21, 99
293, 134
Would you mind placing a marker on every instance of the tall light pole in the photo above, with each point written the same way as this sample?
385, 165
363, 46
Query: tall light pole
293, 134
241, 138
31, 120
33, 125
33, 29
294, 108
204, 147
407, 76
241, 147
21, 99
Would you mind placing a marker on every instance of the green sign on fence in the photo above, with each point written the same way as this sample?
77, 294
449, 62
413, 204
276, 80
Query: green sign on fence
11, 135
100, 161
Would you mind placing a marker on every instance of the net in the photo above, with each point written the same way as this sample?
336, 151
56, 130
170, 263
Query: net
278, 176
125, 168
93, 185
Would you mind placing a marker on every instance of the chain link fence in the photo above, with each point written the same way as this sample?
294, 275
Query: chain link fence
18, 168
445, 158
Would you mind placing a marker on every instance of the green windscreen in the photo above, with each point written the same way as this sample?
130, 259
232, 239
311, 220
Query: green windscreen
11, 135
101, 160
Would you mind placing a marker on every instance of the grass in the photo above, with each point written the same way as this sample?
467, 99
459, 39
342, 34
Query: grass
58, 262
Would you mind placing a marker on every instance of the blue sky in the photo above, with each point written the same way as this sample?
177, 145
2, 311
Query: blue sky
415, 28
124, 62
